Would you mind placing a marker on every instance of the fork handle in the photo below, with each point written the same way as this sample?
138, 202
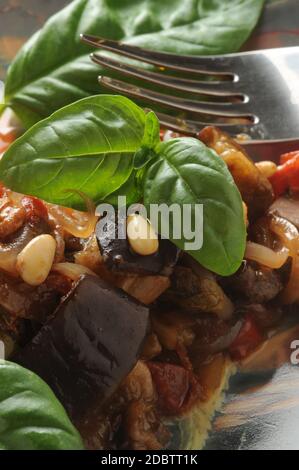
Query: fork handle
270, 149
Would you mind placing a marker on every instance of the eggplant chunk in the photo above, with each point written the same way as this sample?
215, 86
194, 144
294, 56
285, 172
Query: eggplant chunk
119, 257
256, 283
254, 187
198, 293
90, 345
287, 209
146, 289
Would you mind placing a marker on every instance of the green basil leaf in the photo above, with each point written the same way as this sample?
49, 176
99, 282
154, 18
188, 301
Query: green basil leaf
187, 172
31, 418
131, 189
143, 157
54, 69
151, 140
87, 146
151, 137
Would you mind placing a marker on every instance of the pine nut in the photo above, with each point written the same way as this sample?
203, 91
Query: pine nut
267, 168
141, 235
35, 260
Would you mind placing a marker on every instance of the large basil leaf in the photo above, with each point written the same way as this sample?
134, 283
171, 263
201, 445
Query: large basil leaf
87, 146
53, 69
31, 418
187, 172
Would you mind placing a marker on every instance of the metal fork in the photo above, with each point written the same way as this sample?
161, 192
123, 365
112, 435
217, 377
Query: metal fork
252, 93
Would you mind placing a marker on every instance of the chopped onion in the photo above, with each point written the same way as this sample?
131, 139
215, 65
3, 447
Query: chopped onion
265, 256
289, 236
71, 270
77, 223
223, 342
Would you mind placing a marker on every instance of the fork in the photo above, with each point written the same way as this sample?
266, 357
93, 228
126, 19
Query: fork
253, 93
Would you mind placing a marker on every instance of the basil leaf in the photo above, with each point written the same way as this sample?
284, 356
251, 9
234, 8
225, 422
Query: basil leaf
54, 69
87, 146
187, 172
131, 189
151, 140
151, 137
31, 418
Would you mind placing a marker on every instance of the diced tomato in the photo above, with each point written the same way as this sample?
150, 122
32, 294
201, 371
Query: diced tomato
248, 339
3, 190
294, 179
287, 174
172, 384
288, 156
162, 134
35, 208
280, 183
7, 136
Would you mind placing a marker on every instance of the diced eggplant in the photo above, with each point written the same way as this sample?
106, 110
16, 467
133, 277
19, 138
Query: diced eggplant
197, 293
119, 257
143, 429
146, 289
20, 301
89, 346
287, 209
254, 187
257, 283
265, 316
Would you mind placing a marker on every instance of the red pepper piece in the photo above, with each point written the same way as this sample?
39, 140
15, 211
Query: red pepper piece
248, 339
288, 156
287, 175
172, 384
35, 208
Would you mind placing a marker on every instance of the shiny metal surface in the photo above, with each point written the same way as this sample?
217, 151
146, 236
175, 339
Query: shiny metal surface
270, 149
200, 87
257, 149
202, 108
260, 87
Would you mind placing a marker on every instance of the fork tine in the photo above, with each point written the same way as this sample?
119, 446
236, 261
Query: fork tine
185, 85
225, 110
192, 128
212, 65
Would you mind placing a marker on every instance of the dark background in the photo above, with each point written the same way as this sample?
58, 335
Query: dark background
18, 20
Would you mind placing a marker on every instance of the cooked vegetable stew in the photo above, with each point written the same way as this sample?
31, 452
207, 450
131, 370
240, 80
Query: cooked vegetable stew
127, 340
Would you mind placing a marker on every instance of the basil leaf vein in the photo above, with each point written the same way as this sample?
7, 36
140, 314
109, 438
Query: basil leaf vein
89, 146
53, 68
187, 172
